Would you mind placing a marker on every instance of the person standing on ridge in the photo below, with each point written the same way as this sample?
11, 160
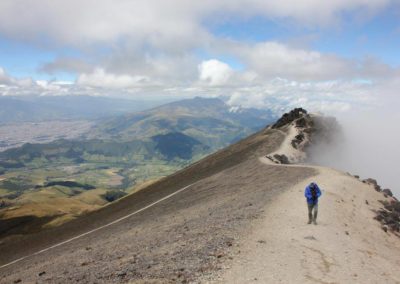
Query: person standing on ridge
312, 193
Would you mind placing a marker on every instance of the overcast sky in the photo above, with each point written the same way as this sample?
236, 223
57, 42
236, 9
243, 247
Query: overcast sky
333, 56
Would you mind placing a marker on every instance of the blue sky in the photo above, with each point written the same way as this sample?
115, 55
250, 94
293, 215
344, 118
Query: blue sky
352, 38
22, 59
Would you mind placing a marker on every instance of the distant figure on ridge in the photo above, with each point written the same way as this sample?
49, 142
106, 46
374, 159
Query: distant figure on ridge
312, 193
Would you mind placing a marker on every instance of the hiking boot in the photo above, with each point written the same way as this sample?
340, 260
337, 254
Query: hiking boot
309, 222
315, 222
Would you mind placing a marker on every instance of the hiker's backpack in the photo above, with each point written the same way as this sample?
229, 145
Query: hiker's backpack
314, 193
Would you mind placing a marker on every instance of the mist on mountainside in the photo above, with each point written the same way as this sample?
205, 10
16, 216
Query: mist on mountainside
366, 144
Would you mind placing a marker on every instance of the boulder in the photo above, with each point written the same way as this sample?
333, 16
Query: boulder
373, 182
282, 159
389, 216
301, 122
297, 140
370, 181
387, 191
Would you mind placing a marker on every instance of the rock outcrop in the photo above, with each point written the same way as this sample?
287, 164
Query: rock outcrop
298, 125
303, 129
387, 192
373, 182
289, 117
389, 215
282, 159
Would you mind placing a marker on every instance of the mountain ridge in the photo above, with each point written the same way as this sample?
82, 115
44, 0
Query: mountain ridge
208, 120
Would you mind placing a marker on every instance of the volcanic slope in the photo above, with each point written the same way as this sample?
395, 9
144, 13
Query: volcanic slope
220, 219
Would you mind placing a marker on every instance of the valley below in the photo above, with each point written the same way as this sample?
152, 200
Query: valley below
65, 169
13, 135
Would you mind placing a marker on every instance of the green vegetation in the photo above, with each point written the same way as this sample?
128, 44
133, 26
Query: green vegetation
69, 184
94, 163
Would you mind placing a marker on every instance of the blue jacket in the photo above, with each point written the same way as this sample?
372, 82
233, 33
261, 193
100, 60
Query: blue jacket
308, 195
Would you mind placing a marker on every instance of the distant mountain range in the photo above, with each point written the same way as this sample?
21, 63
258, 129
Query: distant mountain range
208, 120
178, 130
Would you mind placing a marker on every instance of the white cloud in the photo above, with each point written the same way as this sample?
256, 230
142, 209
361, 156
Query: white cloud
8, 80
168, 69
214, 72
276, 94
65, 64
4, 78
82, 23
282, 95
157, 39
99, 78
273, 59
174, 22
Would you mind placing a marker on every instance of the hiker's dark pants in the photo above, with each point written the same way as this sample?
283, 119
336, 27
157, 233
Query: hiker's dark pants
312, 207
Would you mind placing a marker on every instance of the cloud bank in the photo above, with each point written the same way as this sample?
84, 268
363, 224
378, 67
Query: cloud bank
369, 147
167, 48
159, 39
159, 22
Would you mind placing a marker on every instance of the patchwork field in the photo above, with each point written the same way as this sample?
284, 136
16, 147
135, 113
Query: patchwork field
62, 191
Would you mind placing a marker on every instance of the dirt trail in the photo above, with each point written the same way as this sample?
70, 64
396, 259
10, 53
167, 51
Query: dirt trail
347, 245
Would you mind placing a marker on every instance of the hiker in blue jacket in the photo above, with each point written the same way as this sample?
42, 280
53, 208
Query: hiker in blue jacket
312, 193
